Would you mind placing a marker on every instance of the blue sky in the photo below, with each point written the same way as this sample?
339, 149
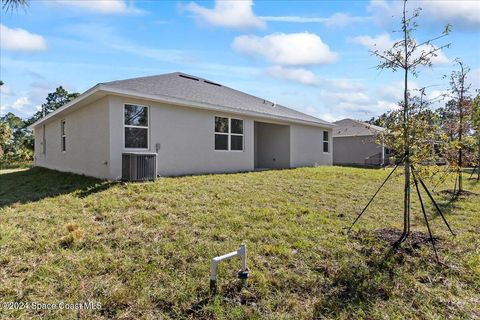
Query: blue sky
312, 56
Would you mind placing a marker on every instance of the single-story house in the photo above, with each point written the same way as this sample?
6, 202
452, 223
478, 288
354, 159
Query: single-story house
186, 124
356, 143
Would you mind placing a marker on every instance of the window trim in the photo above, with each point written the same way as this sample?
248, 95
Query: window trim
133, 126
44, 141
229, 134
63, 135
327, 141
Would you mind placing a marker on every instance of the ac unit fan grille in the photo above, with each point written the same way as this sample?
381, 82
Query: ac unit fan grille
139, 167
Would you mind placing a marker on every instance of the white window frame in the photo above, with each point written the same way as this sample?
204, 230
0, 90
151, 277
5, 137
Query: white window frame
229, 134
327, 141
63, 135
133, 126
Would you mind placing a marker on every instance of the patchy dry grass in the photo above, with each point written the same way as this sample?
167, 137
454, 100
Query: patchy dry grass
143, 250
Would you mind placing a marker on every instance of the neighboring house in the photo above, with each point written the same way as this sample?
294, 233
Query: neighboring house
355, 143
189, 124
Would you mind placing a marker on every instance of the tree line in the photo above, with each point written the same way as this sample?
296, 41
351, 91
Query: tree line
16, 141
449, 134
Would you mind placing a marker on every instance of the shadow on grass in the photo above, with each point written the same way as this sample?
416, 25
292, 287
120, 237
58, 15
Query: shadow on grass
38, 183
359, 286
447, 203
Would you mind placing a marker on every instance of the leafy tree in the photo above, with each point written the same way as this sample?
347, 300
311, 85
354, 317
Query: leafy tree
54, 101
384, 120
475, 118
424, 132
458, 126
10, 5
5, 135
407, 55
14, 139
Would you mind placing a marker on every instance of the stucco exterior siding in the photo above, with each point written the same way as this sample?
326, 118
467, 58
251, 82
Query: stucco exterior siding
354, 150
86, 142
272, 145
186, 138
306, 147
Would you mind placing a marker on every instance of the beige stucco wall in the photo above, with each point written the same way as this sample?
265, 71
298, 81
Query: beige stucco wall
307, 146
86, 144
354, 150
272, 145
185, 135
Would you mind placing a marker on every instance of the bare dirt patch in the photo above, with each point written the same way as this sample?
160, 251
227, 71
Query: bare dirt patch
415, 239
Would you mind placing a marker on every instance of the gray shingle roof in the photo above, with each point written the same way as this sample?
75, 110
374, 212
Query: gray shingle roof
349, 127
195, 89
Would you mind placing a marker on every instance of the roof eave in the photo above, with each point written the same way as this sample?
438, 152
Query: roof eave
207, 106
66, 106
176, 101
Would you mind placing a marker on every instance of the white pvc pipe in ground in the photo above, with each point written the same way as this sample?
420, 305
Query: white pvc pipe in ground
242, 274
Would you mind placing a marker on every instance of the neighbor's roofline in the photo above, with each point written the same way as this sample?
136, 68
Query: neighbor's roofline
369, 125
355, 135
176, 101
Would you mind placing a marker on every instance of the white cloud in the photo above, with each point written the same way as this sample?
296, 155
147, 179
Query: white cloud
101, 6
336, 20
383, 43
6, 90
463, 14
346, 99
21, 107
455, 12
300, 75
20, 40
231, 14
293, 49
20, 103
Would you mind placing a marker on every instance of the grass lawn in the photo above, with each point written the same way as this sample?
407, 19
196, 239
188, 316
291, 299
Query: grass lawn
143, 250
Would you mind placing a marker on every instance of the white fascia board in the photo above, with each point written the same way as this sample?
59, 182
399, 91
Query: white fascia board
171, 100
207, 106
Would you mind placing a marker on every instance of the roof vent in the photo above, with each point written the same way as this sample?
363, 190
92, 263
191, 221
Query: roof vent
187, 77
212, 83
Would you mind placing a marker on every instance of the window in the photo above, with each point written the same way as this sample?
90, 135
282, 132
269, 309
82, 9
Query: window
44, 141
325, 141
63, 136
228, 134
136, 127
